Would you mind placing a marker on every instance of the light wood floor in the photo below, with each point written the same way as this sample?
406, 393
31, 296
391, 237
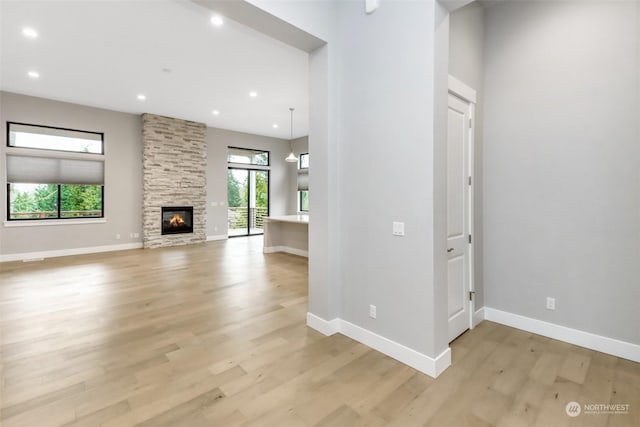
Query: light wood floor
215, 335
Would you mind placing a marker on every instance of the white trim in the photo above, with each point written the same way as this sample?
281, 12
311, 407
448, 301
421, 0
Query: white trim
430, 366
43, 222
468, 95
245, 165
217, 237
461, 89
423, 363
287, 249
478, 316
453, 5
26, 256
618, 348
325, 327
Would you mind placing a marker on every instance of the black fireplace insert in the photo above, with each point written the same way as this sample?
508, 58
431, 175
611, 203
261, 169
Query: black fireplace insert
177, 219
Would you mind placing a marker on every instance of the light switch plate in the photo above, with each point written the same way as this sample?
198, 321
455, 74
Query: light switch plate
398, 228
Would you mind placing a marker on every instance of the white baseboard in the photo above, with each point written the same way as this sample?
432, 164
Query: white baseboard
25, 256
287, 249
423, 363
217, 237
478, 316
599, 343
325, 327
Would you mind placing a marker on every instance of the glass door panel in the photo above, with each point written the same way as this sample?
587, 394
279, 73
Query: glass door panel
248, 201
237, 192
260, 207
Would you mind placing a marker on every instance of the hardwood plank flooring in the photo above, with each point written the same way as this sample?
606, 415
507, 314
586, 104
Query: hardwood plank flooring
214, 335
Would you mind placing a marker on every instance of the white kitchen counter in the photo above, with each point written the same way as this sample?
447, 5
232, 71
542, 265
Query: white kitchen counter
287, 233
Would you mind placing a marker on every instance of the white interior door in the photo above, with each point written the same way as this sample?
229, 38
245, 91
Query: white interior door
458, 214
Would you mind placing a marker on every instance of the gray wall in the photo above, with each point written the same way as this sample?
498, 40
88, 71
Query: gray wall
123, 176
466, 63
562, 163
280, 188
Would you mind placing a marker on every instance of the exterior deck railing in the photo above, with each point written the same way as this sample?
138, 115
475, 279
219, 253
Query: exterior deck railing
54, 214
240, 217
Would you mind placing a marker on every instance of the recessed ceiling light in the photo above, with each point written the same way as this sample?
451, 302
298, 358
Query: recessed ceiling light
215, 112
275, 126
141, 97
33, 74
30, 33
217, 20
253, 94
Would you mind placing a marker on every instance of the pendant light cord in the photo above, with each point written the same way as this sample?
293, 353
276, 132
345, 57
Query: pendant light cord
291, 137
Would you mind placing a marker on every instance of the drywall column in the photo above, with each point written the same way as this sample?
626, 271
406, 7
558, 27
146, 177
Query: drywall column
388, 146
325, 228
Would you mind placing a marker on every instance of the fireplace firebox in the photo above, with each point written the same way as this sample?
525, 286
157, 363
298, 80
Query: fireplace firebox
177, 219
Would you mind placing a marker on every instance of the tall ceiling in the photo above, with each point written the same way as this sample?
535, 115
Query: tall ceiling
104, 53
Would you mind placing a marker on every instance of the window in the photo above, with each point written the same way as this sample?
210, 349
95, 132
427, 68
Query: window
303, 182
54, 173
247, 156
304, 161
48, 138
304, 200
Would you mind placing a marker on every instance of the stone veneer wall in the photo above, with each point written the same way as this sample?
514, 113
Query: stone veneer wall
174, 173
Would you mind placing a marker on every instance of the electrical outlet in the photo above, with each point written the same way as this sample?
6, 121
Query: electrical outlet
136, 235
372, 311
117, 237
551, 303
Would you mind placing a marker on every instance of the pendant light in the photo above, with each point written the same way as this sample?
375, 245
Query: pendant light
291, 158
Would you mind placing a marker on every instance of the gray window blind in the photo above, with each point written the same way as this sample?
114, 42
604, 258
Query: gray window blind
51, 170
303, 179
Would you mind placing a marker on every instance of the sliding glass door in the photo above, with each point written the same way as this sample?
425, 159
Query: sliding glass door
248, 201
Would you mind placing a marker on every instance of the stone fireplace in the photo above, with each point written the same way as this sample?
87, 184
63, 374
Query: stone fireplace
174, 171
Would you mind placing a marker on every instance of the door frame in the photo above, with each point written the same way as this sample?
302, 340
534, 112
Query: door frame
249, 170
468, 94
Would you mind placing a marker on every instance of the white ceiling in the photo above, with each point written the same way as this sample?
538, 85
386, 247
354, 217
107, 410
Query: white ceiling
105, 53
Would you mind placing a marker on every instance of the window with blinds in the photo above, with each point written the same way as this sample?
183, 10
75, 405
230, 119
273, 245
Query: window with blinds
54, 173
303, 182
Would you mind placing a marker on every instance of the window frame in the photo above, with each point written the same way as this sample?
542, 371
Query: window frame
307, 191
300, 160
253, 150
300, 209
72, 153
101, 153
59, 216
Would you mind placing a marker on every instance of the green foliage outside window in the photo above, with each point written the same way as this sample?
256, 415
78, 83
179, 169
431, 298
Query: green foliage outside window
37, 201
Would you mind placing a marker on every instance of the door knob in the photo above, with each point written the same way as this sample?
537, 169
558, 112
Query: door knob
450, 250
